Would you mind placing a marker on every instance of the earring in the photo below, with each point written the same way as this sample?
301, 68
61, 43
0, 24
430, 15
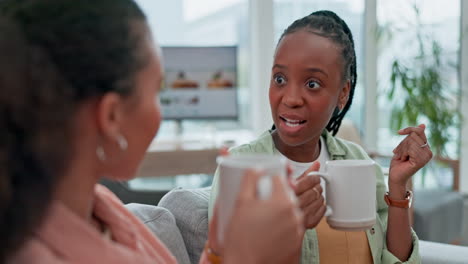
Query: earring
100, 153
122, 141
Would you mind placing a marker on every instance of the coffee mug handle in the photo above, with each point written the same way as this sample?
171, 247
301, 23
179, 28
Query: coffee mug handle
325, 177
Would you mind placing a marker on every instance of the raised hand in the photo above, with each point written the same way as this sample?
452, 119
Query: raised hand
410, 155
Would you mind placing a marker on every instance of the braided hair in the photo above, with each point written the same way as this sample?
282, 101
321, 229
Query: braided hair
329, 25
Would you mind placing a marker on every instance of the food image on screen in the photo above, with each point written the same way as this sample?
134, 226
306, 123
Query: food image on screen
200, 82
218, 81
183, 82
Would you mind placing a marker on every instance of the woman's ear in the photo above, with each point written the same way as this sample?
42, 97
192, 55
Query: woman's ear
109, 115
344, 95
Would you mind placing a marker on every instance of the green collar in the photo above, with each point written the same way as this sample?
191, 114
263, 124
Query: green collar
336, 148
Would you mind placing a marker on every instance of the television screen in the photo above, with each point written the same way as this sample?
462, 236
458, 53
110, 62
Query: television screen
200, 82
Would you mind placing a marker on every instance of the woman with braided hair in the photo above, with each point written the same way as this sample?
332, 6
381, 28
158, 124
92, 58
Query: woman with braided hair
312, 86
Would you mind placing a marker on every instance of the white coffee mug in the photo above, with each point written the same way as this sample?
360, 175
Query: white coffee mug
350, 194
231, 171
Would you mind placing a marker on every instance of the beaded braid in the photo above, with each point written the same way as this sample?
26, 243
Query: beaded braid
329, 25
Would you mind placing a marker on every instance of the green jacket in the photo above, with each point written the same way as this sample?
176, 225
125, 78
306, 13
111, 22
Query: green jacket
338, 149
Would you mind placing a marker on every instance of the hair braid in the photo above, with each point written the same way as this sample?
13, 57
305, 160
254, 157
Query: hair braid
329, 25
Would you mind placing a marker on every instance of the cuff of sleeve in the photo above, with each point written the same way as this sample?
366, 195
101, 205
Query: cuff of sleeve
415, 258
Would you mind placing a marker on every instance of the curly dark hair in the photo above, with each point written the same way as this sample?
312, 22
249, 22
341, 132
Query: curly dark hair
329, 25
55, 55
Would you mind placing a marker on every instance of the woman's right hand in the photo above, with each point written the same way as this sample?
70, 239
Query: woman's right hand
309, 194
264, 231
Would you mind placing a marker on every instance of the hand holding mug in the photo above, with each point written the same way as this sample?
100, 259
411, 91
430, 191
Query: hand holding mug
263, 230
410, 155
309, 194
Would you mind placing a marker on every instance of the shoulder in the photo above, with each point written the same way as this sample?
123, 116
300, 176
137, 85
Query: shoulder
352, 149
344, 148
263, 144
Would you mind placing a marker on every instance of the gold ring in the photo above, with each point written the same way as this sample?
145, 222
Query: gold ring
317, 192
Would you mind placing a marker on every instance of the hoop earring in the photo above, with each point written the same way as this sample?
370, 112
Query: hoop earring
100, 153
122, 141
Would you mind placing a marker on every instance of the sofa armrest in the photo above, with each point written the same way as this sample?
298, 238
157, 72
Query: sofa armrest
162, 223
190, 209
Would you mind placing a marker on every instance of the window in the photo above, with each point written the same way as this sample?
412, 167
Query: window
398, 20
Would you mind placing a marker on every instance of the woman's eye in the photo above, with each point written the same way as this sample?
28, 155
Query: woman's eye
279, 80
313, 84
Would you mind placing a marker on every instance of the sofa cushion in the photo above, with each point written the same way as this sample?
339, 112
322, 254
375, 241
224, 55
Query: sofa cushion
438, 253
162, 223
190, 209
438, 215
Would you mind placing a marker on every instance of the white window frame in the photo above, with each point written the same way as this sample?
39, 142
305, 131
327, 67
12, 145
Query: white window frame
464, 97
261, 60
370, 75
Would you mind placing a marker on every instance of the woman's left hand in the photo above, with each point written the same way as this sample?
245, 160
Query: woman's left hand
412, 154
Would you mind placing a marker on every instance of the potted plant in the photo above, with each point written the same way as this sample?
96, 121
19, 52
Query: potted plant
420, 93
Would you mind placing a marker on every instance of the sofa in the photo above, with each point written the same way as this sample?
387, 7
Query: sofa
181, 221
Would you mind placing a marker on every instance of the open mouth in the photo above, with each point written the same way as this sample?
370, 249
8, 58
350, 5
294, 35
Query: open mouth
292, 122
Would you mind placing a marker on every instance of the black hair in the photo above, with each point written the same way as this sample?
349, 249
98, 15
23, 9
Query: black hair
329, 25
55, 55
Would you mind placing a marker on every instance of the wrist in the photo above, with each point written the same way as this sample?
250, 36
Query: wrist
397, 191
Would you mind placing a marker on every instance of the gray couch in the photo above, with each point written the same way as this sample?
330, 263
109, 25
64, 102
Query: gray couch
188, 210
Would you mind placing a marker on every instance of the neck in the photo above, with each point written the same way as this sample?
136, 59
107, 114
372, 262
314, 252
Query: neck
307, 152
76, 190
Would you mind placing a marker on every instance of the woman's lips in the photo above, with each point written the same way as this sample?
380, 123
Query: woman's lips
291, 125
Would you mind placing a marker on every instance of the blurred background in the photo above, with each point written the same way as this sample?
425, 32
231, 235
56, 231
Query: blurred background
412, 68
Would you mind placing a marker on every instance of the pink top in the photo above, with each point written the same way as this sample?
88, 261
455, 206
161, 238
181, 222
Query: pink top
66, 238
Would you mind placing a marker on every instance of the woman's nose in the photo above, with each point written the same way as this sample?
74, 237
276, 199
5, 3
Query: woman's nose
292, 97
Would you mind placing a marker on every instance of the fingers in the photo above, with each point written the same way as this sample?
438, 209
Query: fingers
412, 146
278, 189
314, 213
213, 229
310, 196
314, 167
299, 219
306, 183
418, 155
416, 137
214, 222
248, 188
419, 130
289, 172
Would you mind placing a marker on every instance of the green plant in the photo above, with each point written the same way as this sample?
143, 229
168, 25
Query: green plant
420, 93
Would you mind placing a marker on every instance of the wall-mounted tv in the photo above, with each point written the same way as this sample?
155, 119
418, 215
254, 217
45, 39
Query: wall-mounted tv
200, 83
